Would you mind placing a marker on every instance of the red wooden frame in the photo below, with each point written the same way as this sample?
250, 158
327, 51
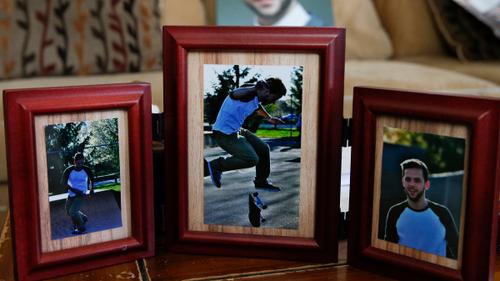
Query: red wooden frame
329, 43
481, 117
21, 107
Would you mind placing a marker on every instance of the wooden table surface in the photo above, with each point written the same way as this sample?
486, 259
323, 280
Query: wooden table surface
170, 266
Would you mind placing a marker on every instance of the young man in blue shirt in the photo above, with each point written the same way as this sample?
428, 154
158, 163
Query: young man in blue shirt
418, 222
246, 149
78, 179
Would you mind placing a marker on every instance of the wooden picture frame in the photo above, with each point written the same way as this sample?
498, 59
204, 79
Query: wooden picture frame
379, 115
187, 50
44, 245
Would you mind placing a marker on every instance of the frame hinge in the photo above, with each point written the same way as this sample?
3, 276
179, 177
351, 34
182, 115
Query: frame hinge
157, 120
346, 132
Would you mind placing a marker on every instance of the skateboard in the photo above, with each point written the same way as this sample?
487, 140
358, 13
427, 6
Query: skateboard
205, 168
255, 206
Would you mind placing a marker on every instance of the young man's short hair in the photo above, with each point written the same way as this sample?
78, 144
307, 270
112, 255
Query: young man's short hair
78, 156
276, 86
414, 164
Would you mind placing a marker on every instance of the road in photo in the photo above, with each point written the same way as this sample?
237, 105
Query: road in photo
229, 204
101, 208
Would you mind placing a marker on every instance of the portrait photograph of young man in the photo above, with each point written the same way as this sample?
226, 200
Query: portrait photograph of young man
422, 191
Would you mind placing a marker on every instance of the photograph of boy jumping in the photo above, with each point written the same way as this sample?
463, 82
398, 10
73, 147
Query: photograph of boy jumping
251, 117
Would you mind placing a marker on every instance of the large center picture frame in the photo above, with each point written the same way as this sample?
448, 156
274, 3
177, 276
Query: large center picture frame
215, 205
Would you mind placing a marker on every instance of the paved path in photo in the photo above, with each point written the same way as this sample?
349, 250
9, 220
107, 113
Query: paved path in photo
101, 209
228, 205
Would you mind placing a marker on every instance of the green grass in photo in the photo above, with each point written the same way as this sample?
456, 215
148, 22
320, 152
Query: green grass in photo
277, 133
109, 186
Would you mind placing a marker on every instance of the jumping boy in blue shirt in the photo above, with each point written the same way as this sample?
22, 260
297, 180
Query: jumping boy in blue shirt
246, 149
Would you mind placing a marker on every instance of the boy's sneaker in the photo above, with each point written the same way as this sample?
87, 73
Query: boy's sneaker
78, 230
215, 175
85, 218
267, 186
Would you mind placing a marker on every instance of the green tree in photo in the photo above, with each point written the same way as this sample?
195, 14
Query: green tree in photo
66, 139
445, 153
228, 80
97, 140
103, 152
296, 89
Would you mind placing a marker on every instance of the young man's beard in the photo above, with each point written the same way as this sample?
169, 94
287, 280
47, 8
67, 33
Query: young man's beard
416, 197
284, 7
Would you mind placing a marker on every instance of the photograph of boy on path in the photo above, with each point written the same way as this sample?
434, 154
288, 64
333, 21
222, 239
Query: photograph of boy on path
83, 175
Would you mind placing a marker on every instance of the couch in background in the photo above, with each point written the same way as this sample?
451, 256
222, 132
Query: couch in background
390, 43
398, 44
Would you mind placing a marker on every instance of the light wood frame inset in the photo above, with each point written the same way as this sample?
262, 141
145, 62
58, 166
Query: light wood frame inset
186, 50
27, 111
310, 62
473, 119
49, 244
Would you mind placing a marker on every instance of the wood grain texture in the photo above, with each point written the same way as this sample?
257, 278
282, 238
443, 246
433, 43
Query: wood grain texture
437, 128
309, 138
50, 245
125, 271
169, 266
6, 257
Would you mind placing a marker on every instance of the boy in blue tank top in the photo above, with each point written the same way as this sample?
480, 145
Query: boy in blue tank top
246, 149
418, 222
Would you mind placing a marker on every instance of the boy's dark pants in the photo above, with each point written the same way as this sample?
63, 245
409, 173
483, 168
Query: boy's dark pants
247, 150
73, 206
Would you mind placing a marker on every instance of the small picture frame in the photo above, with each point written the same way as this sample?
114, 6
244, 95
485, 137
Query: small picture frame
218, 171
424, 189
80, 170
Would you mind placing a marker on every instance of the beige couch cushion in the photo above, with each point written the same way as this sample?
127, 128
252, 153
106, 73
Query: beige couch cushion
402, 75
182, 12
410, 26
155, 78
363, 29
488, 70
